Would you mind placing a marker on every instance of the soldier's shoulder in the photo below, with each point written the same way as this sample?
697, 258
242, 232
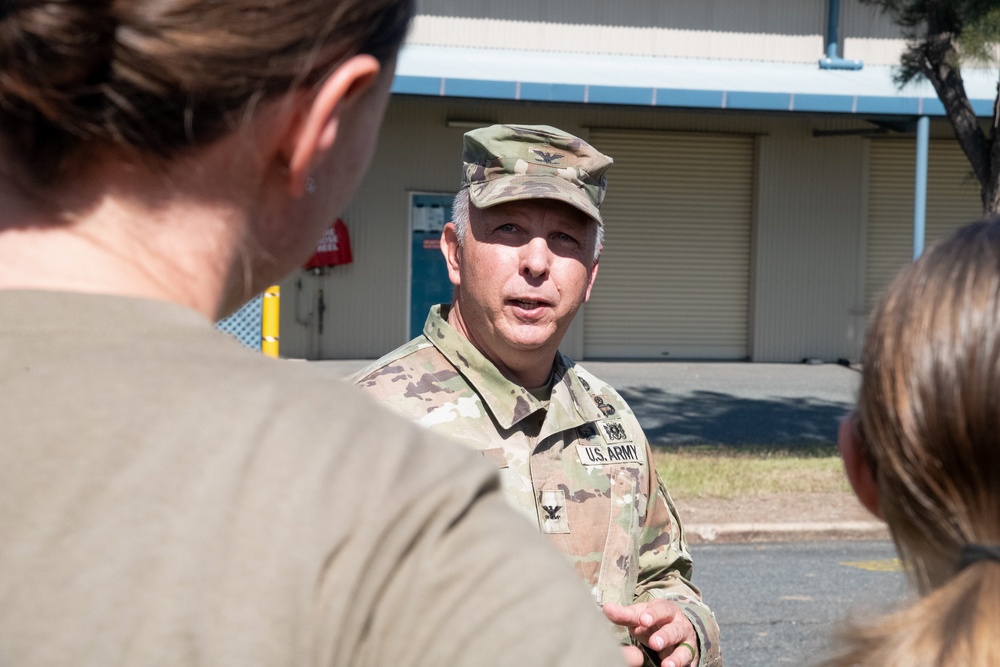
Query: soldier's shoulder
414, 378
593, 384
419, 382
603, 393
406, 357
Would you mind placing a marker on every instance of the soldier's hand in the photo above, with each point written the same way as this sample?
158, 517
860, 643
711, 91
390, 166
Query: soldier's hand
660, 625
633, 656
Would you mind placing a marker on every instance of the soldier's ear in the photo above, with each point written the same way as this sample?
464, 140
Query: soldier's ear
452, 252
593, 276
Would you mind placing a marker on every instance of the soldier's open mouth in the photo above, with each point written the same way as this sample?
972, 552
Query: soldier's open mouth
528, 305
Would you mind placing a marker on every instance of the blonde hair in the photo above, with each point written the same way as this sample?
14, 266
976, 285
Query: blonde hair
156, 77
929, 426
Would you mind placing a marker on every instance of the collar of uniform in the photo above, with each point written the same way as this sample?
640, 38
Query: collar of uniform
570, 404
508, 402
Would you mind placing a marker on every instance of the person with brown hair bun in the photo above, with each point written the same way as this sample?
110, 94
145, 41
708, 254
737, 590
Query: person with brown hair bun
166, 496
922, 451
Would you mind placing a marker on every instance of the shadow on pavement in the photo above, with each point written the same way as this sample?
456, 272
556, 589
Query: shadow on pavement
718, 418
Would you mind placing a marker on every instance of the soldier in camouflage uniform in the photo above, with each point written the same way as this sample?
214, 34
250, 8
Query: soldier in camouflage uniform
487, 371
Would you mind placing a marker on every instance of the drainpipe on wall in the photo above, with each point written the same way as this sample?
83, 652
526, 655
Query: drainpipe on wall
831, 61
920, 186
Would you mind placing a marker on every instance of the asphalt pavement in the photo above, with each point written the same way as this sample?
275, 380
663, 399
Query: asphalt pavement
784, 604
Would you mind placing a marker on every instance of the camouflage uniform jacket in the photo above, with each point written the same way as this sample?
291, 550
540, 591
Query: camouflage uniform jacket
578, 466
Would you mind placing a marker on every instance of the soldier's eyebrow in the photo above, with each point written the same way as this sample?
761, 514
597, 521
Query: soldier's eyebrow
582, 223
572, 218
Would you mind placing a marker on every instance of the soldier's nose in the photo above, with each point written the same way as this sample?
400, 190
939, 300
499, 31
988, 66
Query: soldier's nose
535, 258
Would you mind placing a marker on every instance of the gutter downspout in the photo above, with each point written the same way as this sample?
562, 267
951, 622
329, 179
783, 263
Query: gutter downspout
831, 61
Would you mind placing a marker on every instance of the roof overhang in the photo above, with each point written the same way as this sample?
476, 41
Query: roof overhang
444, 71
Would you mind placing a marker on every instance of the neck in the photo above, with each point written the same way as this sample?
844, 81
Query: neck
129, 240
530, 369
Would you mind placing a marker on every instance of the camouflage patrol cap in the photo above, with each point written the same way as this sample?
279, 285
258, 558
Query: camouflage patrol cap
505, 163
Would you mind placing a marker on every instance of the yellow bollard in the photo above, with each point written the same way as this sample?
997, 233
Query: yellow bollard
270, 310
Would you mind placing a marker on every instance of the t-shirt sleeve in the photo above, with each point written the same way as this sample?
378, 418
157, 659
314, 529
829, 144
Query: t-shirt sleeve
455, 577
490, 591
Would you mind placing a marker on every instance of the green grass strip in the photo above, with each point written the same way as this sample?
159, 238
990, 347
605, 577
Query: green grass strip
729, 472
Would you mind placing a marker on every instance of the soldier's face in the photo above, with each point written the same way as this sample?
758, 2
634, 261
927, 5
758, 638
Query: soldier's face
524, 270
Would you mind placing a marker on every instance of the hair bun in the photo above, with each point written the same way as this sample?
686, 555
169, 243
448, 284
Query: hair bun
157, 77
53, 55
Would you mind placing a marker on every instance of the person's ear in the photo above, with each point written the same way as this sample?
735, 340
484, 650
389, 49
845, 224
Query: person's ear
856, 465
320, 121
452, 252
593, 274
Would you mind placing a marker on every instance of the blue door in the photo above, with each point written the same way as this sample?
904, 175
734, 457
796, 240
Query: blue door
429, 282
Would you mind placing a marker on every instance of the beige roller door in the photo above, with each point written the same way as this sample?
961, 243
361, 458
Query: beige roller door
674, 279
952, 200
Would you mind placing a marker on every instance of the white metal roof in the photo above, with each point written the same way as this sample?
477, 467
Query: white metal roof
680, 82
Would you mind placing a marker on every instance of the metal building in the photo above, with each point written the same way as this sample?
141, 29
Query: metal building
762, 193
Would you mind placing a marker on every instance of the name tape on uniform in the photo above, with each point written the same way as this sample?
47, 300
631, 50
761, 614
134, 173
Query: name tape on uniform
602, 455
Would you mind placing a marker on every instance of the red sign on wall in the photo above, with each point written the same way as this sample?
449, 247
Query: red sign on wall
333, 249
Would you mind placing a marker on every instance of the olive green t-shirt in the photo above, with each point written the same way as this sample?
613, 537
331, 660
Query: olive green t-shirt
170, 498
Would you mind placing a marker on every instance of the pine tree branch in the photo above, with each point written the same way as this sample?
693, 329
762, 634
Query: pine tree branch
991, 194
933, 29
937, 53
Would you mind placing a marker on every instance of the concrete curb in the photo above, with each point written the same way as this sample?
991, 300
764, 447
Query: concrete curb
785, 532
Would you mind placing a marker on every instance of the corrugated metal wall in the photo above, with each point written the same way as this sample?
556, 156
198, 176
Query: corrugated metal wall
868, 35
874, 51
770, 30
675, 275
952, 200
751, 16
645, 41
807, 278
865, 22
366, 301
